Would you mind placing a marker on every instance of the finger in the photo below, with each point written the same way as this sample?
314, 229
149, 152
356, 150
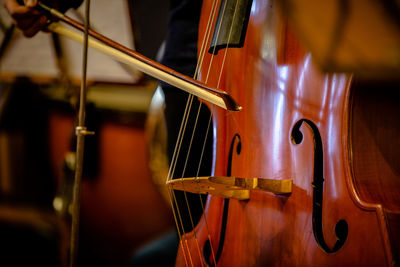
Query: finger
20, 12
30, 3
12, 6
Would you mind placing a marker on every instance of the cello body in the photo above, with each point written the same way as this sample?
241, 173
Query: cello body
302, 124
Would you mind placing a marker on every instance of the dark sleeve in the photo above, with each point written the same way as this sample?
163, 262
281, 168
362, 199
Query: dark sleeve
62, 5
67, 4
181, 42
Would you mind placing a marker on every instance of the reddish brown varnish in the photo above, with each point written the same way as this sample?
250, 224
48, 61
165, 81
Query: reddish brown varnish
277, 84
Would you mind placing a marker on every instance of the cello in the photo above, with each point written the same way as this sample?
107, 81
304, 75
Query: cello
321, 137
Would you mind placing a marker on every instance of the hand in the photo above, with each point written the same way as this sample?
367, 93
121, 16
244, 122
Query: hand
29, 20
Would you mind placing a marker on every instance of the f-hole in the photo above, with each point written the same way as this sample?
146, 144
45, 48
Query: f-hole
341, 228
231, 25
207, 253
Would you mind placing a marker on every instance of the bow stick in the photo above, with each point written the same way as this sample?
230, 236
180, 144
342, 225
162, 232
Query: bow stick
144, 64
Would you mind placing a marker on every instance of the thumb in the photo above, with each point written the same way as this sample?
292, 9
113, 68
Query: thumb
30, 3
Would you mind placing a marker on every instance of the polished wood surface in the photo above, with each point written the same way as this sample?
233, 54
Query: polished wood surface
301, 124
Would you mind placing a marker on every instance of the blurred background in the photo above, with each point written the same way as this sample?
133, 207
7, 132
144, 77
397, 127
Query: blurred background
122, 206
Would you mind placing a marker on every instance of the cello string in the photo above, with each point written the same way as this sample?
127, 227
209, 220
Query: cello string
178, 148
234, 119
210, 118
181, 133
200, 61
173, 166
183, 172
174, 161
203, 51
206, 38
201, 199
219, 80
195, 125
217, 37
183, 128
227, 43
207, 131
209, 123
178, 228
171, 194
170, 175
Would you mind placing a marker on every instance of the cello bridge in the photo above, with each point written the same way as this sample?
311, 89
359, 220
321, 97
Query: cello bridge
230, 187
